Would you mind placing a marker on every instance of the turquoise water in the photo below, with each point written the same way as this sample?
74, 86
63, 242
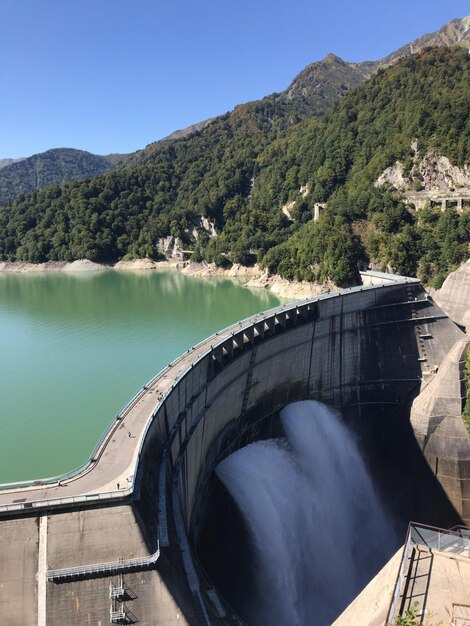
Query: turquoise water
74, 348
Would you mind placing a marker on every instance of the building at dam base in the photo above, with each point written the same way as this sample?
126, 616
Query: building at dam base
124, 536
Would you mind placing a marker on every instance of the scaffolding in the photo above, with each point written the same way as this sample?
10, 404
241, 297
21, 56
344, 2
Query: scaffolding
117, 610
118, 616
117, 591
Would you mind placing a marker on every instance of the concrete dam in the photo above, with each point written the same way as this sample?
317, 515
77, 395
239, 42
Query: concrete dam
145, 533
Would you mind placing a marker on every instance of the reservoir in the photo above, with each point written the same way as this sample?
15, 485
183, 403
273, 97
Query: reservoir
75, 347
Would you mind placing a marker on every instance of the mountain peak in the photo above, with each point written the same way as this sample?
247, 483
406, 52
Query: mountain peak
454, 33
460, 28
332, 58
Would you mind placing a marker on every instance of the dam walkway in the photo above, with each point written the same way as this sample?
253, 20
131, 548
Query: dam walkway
111, 472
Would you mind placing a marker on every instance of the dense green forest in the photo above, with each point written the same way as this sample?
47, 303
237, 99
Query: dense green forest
424, 97
53, 166
125, 212
245, 165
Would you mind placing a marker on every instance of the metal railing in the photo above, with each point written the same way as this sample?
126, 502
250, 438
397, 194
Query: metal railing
455, 541
117, 617
67, 501
112, 567
116, 592
213, 342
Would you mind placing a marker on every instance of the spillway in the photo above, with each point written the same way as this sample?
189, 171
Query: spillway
145, 528
318, 529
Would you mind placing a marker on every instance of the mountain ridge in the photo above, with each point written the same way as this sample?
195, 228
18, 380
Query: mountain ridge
6, 162
312, 91
321, 83
455, 32
293, 149
53, 166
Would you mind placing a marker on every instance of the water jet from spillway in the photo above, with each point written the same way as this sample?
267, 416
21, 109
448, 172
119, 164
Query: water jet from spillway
317, 527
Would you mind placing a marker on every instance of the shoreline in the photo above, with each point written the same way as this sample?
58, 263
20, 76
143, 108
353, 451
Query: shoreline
255, 277
83, 265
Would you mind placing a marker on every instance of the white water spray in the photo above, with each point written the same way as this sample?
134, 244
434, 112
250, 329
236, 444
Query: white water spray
318, 529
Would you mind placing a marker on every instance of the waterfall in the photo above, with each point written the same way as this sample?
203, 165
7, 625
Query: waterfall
317, 526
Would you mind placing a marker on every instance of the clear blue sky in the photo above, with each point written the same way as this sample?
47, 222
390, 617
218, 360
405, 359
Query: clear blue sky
115, 75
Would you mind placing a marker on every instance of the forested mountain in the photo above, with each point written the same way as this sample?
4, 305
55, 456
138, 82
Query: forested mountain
423, 100
240, 169
6, 162
54, 166
310, 94
322, 83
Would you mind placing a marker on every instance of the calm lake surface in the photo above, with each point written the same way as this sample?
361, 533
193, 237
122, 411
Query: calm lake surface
75, 347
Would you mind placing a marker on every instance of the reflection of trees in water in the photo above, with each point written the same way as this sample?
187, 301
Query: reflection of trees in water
137, 296
97, 337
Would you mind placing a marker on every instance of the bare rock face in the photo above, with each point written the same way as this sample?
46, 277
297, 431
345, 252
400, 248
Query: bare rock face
170, 247
200, 224
435, 173
287, 208
438, 173
454, 296
204, 223
394, 176
83, 265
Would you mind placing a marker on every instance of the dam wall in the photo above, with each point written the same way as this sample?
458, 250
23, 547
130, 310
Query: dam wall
361, 351
367, 351
441, 432
454, 296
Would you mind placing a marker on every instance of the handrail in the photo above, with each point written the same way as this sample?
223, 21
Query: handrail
411, 540
455, 530
399, 580
213, 341
85, 498
100, 568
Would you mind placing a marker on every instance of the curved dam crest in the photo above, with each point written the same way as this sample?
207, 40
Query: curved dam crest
359, 351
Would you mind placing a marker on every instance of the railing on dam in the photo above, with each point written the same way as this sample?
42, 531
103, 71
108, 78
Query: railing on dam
112, 567
223, 346
454, 541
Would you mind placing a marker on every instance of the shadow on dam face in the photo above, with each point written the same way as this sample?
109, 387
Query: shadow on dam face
361, 353
227, 552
